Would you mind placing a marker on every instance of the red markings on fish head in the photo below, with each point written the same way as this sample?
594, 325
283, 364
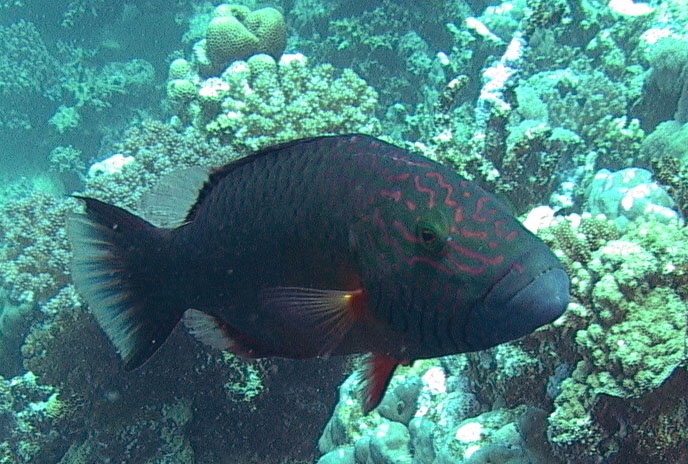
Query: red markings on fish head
484, 209
434, 220
425, 190
395, 195
399, 177
405, 233
505, 231
443, 183
459, 214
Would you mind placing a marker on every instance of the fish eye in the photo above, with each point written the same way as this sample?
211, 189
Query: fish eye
429, 238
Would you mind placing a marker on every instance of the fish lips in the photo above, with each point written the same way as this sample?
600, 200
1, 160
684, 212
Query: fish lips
524, 299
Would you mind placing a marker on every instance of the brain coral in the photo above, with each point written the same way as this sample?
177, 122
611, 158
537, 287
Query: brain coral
228, 40
181, 89
268, 25
233, 36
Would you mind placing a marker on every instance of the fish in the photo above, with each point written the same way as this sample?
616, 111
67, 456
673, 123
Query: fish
325, 246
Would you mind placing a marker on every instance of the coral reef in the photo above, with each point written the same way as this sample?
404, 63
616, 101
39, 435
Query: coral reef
30, 415
259, 102
668, 78
562, 103
35, 254
664, 151
27, 68
97, 89
155, 149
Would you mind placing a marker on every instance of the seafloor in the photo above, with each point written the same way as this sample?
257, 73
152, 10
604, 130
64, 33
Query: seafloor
574, 112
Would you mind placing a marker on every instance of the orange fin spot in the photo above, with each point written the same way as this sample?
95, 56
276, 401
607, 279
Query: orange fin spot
378, 372
330, 314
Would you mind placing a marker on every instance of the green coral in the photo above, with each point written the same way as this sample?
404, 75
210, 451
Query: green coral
289, 101
664, 150
27, 70
35, 255
669, 138
636, 355
668, 59
181, 90
26, 64
529, 165
158, 149
635, 335
179, 69
234, 35
268, 25
97, 88
65, 119
582, 100
29, 415
66, 159
577, 238
227, 40
246, 383
571, 423
629, 359
668, 243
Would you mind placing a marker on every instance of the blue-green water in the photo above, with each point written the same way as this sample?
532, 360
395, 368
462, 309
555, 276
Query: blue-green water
573, 112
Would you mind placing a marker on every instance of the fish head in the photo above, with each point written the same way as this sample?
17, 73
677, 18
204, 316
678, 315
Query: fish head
532, 291
463, 273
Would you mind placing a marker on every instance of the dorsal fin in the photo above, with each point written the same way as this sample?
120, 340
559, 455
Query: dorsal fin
306, 146
169, 202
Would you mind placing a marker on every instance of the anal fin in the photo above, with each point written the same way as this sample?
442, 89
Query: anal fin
216, 333
379, 370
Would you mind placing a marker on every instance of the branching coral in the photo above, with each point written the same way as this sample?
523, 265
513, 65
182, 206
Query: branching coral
26, 65
35, 255
157, 149
34, 70
28, 71
584, 101
98, 89
635, 335
260, 102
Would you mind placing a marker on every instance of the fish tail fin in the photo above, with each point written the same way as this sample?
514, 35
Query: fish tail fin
117, 261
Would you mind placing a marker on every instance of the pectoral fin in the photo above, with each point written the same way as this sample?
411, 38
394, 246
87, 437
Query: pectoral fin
327, 314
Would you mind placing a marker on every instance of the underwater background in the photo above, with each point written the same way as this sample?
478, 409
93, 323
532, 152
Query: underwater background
574, 112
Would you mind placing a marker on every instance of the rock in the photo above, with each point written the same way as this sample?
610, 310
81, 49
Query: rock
625, 195
343, 455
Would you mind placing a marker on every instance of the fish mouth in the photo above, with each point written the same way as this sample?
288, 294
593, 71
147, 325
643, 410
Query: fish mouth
534, 292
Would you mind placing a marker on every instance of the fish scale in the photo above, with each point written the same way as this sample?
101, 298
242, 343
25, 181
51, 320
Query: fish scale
333, 245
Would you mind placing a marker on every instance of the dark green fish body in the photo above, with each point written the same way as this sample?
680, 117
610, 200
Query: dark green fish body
333, 245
